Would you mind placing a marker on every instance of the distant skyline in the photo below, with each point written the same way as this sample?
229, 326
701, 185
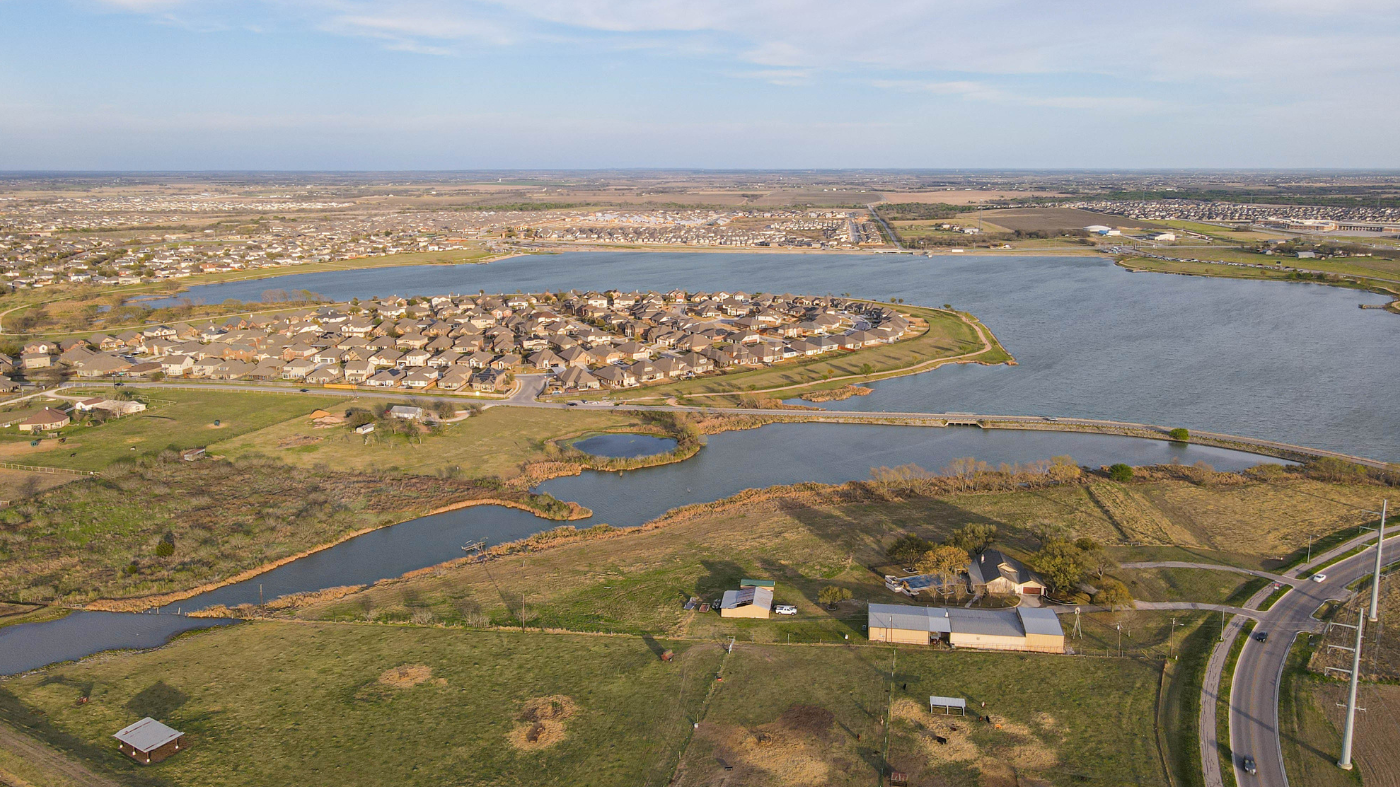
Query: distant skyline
595, 84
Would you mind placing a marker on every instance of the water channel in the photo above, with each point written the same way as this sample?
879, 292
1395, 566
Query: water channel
1288, 362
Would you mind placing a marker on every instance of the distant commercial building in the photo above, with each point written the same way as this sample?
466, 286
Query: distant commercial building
1033, 629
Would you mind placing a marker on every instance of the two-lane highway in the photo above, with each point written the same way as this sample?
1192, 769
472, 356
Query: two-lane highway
1254, 694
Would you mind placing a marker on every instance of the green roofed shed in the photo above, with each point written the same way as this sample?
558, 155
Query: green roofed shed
757, 583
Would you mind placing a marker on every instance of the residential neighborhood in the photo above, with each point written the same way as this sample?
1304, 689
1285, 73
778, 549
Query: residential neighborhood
583, 340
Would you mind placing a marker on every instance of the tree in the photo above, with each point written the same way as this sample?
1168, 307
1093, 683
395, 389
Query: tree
1113, 595
974, 537
1096, 559
1179, 435
1061, 564
831, 595
1120, 472
944, 562
166, 547
907, 549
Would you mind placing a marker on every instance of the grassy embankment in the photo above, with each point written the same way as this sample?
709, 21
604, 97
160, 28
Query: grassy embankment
943, 336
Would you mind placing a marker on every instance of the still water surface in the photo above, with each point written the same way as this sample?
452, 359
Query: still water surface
626, 446
1283, 361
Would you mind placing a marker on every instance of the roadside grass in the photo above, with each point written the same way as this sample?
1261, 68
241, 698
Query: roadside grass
1311, 743
496, 442
1222, 704
1181, 700
175, 419
101, 536
1382, 653
264, 700
1183, 584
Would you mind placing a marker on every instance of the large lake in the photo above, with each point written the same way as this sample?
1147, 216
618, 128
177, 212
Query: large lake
1291, 362
1284, 361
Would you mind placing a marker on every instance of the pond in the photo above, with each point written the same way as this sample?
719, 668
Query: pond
625, 446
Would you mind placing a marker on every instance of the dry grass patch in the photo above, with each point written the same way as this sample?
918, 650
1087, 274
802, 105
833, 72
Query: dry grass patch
543, 725
406, 676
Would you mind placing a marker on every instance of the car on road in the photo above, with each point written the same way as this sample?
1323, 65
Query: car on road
1262, 636
305, 390
785, 609
1319, 577
1248, 766
573, 404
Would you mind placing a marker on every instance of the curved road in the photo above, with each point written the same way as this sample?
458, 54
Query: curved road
1254, 694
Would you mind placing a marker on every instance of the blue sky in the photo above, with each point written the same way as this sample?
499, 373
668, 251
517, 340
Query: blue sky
452, 84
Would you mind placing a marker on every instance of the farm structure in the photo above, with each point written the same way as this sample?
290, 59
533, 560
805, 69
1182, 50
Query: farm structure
1023, 628
148, 741
753, 599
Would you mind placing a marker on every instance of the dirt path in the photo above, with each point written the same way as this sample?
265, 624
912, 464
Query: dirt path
48, 760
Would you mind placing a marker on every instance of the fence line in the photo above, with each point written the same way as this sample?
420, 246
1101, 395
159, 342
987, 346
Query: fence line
43, 469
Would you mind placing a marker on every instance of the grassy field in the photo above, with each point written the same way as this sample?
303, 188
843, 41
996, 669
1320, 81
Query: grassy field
175, 419
812, 715
101, 537
1183, 584
261, 701
1349, 267
494, 443
1311, 744
811, 536
947, 336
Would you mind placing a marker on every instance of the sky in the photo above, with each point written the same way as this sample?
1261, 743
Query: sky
755, 84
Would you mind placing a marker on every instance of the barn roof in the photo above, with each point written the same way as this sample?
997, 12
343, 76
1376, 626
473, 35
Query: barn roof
147, 735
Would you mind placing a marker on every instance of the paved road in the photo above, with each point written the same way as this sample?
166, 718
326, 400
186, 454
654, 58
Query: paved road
1254, 727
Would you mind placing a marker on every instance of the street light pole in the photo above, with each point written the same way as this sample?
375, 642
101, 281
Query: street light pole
1376, 582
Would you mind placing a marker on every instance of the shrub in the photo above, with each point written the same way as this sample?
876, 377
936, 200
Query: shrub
1120, 472
831, 595
1179, 435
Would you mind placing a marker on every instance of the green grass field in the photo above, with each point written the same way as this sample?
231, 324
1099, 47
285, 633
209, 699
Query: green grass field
269, 703
494, 443
175, 418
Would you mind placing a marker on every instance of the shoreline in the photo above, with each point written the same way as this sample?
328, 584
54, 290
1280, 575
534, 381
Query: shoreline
138, 604
1356, 283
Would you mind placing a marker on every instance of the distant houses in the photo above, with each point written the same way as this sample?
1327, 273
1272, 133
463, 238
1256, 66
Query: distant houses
584, 340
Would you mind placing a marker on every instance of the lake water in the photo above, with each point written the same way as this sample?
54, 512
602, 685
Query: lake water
626, 446
1290, 362
1283, 361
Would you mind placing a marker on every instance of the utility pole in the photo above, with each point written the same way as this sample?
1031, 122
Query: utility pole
1376, 582
1345, 761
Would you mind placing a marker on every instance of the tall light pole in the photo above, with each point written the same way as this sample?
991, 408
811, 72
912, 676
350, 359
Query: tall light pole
1376, 582
1345, 762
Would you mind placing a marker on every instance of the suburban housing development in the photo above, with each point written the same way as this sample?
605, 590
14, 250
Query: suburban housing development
585, 341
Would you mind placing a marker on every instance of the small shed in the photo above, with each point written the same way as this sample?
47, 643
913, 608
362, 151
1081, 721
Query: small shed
192, 454
148, 741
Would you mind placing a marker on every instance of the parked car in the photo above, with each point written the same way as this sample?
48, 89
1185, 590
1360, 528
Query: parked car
785, 609
1319, 577
1262, 636
1248, 766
